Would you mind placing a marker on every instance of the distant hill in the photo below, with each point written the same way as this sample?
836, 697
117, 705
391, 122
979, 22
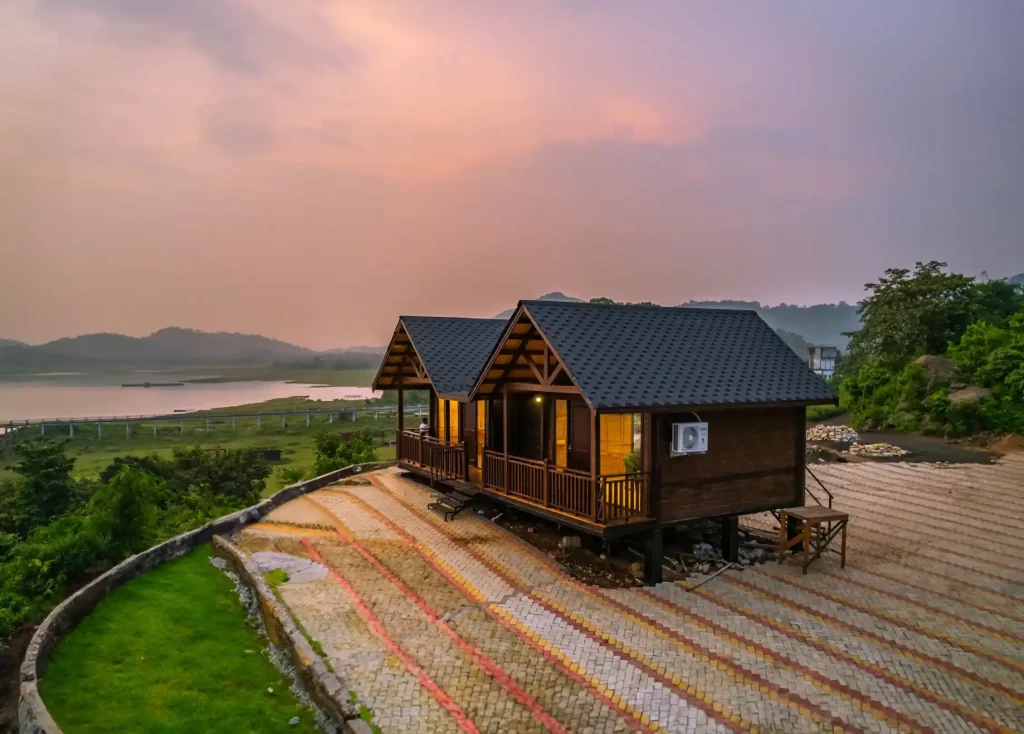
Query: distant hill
1018, 279
821, 324
9, 343
553, 296
165, 348
799, 326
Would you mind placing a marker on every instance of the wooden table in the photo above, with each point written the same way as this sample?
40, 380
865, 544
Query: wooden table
812, 536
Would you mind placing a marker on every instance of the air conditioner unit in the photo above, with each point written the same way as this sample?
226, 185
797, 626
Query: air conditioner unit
689, 438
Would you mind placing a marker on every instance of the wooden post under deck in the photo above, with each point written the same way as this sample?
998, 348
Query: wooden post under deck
595, 460
504, 431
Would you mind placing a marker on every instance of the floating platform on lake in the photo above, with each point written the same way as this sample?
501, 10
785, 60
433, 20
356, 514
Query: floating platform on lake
153, 384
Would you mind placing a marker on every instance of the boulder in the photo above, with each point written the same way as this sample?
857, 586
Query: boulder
969, 395
938, 368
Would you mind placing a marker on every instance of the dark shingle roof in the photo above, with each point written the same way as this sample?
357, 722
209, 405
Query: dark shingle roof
654, 356
454, 350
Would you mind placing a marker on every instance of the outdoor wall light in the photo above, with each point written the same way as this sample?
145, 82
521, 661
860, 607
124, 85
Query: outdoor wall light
538, 398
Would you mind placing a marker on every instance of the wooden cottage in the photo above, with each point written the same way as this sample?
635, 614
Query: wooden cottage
614, 420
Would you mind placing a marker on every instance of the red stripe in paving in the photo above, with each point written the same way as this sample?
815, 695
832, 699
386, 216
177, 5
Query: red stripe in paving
651, 672
471, 650
633, 719
894, 620
879, 671
936, 592
935, 610
446, 701
894, 716
885, 642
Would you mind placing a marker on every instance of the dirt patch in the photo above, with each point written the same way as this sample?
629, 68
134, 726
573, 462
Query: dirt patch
1012, 443
602, 567
11, 654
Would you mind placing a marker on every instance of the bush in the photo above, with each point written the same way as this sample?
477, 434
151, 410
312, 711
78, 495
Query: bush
57, 533
333, 453
824, 412
292, 474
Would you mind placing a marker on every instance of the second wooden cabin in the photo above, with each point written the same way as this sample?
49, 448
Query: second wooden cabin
614, 420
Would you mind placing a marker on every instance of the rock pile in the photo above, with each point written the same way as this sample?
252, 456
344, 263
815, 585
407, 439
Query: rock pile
877, 450
839, 434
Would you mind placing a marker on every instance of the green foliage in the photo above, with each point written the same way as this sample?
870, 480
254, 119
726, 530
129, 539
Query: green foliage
291, 474
170, 652
334, 452
57, 533
276, 577
980, 326
824, 412
907, 315
124, 510
45, 490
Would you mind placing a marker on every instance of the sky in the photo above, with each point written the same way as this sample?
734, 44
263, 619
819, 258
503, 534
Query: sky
311, 169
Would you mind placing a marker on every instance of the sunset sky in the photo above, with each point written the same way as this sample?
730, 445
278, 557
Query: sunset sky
310, 169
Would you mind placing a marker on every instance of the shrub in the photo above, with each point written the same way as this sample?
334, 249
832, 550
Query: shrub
334, 453
292, 474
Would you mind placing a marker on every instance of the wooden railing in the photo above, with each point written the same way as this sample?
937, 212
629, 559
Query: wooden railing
494, 470
526, 478
445, 461
621, 496
571, 491
448, 461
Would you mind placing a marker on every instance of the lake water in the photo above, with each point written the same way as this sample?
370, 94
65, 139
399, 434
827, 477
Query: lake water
91, 396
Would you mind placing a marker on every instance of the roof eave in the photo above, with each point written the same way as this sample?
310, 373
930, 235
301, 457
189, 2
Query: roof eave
716, 406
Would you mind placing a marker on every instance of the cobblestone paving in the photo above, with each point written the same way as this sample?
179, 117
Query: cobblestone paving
460, 626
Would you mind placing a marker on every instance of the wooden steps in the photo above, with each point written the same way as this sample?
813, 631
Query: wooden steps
451, 504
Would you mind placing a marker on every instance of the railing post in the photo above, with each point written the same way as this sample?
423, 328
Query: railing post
421, 448
546, 501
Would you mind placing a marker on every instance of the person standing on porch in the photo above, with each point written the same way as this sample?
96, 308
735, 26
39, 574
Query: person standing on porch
424, 428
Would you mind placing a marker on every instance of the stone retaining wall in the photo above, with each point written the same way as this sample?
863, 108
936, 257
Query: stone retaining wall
323, 686
33, 717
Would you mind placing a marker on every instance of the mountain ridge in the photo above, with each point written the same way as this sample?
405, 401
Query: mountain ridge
799, 326
169, 346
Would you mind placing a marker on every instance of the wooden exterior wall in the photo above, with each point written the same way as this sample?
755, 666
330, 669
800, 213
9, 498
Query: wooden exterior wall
755, 461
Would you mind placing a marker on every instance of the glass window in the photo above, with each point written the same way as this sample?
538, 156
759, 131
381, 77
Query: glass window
620, 443
481, 431
561, 433
453, 421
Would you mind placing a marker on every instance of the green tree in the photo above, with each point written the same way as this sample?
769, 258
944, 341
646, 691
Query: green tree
332, 452
44, 490
910, 314
124, 510
923, 312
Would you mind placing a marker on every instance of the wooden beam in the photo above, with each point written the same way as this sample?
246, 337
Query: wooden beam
535, 371
530, 387
401, 410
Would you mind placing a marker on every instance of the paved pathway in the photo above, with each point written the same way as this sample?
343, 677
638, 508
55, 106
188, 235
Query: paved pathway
461, 627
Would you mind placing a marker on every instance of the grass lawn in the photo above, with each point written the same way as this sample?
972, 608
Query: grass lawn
169, 652
94, 452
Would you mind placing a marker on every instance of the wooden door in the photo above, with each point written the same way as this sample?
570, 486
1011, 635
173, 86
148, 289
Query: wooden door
469, 432
579, 437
